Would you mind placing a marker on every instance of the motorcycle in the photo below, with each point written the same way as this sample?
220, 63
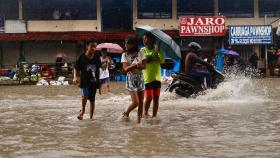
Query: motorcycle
186, 85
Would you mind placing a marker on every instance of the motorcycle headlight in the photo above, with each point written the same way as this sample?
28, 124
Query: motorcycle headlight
173, 75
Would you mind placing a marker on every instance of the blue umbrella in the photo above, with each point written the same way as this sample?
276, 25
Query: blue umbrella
222, 51
167, 44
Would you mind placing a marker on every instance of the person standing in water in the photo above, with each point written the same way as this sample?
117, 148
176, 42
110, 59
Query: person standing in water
133, 62
106, 63
88, 65
152, 73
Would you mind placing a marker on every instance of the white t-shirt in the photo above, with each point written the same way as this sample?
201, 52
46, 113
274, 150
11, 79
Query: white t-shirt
133, 58
104, 72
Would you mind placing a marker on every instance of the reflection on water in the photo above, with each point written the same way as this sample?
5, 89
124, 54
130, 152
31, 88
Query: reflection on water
238, 119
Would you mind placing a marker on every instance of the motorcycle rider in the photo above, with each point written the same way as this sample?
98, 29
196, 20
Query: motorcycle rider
192, 59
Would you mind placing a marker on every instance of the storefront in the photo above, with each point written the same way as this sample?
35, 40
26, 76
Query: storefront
249, 39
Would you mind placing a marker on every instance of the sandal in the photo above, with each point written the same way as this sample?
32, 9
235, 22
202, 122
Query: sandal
81, 114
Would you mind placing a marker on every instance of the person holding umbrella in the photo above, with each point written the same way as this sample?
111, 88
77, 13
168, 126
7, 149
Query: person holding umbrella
88, 64
152, 72
106, 63
154, 58
220, 60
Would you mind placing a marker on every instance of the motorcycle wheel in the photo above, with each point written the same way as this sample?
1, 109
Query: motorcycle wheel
182, 90
185, 91
176, 85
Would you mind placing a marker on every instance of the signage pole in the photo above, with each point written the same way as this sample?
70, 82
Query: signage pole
1, 55
265, 50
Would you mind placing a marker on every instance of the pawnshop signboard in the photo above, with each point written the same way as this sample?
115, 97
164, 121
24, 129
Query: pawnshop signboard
202, 26
250, 34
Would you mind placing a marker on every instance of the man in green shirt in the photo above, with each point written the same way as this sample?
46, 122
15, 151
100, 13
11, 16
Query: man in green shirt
152, 73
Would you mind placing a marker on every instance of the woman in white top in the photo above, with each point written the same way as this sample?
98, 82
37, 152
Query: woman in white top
106, 62
133, 63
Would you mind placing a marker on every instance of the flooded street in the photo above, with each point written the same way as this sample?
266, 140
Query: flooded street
241, 118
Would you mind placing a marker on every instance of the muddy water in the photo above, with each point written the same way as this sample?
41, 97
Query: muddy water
241, 118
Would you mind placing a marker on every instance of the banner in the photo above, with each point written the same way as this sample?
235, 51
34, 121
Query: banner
250, 34
15, 26
2, 24
202, 26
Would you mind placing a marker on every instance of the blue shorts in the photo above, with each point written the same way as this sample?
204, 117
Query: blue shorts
105, 80
89, 93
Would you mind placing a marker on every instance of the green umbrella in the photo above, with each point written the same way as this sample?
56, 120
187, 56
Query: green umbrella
167, 44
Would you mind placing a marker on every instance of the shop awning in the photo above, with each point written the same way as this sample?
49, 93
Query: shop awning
71, 36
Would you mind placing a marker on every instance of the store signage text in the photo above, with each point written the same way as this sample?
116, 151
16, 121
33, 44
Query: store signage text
202, 26
250, 34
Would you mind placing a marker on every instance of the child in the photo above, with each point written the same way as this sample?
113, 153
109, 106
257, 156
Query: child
152, 73
133, 63
106, 63
88, 64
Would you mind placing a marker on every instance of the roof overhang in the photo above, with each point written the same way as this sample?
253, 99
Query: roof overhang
72, 36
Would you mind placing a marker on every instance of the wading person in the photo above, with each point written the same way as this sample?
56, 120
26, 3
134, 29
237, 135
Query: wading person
152, 73
133, 63
106, 63
254, 60
88, 65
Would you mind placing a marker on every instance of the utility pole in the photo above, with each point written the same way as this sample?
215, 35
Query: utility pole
20, 9
265, 50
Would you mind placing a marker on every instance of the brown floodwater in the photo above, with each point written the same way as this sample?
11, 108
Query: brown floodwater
241, 118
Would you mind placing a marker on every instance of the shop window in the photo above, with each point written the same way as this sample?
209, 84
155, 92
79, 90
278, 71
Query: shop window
154, 9
59, 9
113, 12
195, 7
236, 8
9, 9
269, 7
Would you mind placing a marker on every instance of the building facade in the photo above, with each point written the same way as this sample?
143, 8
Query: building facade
41, 29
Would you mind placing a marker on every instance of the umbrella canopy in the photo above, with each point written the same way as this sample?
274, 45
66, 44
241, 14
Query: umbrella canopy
111, 47
167, 44
222, 51
231, 52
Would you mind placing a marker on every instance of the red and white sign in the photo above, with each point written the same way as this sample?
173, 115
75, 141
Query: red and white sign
202, 26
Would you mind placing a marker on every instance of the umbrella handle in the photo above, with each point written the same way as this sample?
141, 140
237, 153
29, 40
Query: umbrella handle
157, 46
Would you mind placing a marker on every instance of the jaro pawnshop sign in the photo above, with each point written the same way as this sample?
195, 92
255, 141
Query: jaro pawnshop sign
202, 26
250, 34
2, 24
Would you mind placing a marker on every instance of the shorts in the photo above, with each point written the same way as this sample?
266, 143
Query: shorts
135, 82
152, 89
150, 93
153, 85
105, 80
89, 93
